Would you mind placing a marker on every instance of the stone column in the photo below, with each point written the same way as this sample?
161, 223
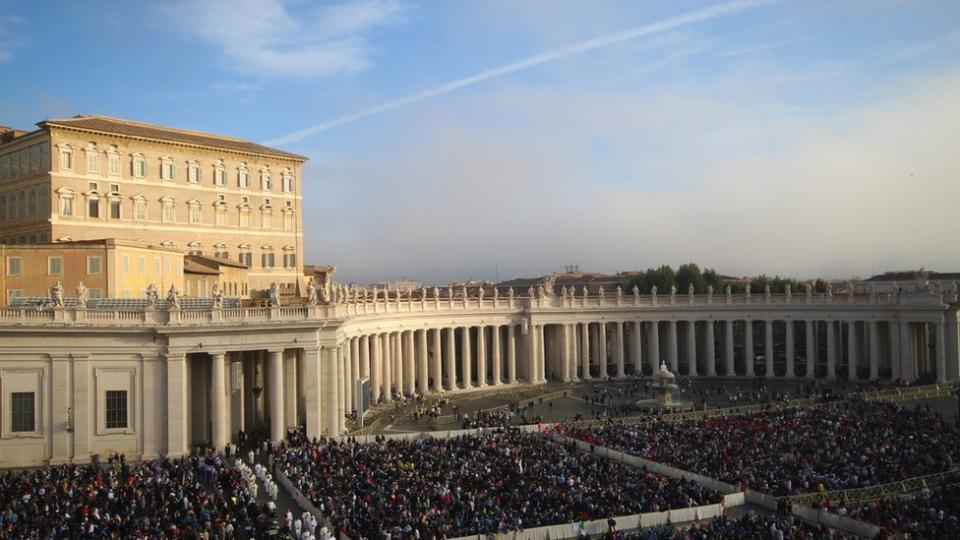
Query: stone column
874, 350
409, 363
852, 350
572, 351
618, 352
902, 352
602, 348
511, 353
710, 348
437, 361
481, 356
388, 352
672, 347
451, 358
565, 363
347, 397
354, 370
276, 396
540, 373
398, 363
941, 354
768, 347
831, 351
311, 391
585, 350
691, 348
728, 348
811, 349
328, 381
748, 354
635, 354
423, 376
376, 348
790, 352
466, 360
655, 346
365, 358
176, 403
496, 355
218, 401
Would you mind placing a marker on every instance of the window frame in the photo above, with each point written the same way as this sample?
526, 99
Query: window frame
26, 397
117, 419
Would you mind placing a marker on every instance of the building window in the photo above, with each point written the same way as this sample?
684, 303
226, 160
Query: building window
289, 260
114, 209
243, 177
221, 215
93, 208
125, 264
54, 265
142, 265
286, 181
266, 181
222, 254
66, 206
244, 217
288, 221
93, 161
193, 172
14, 266
168, 211
196, 213
246, 258
93, 265
139, 209
267, 260
156, 266
138, 166
219, 173
168, 169
66, 159
267, 219
113, 163
22, 412
116, 409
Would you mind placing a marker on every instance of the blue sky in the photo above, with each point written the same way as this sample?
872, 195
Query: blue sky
801, 138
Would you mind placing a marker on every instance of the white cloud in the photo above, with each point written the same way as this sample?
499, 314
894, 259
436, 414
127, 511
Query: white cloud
714, 175
269, 38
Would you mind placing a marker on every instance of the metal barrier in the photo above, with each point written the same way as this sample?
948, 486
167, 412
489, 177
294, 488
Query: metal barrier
891, 489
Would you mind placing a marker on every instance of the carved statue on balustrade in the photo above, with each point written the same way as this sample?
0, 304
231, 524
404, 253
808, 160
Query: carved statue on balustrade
173, 298
217, 295
56, 295
273, 298
312, 298
83, 295
153, 296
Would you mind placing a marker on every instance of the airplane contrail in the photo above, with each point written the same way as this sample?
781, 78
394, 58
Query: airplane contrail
536, 60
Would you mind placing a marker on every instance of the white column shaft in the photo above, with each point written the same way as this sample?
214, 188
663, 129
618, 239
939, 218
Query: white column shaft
276, 395
218, 401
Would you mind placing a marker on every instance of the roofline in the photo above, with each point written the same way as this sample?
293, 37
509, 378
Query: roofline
43, 124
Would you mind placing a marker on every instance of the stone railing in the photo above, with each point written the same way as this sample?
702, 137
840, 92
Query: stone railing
399, 305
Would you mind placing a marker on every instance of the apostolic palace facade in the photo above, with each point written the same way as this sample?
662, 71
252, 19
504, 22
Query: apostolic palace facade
183, 235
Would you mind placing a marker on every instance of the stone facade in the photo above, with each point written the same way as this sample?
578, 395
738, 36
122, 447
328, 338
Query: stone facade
151, 382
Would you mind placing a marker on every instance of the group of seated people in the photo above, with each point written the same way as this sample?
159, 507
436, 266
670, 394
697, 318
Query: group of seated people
930, 513
750, 525
191, 497
783, 452
472, 484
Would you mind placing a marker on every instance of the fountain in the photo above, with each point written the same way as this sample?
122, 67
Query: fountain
665, 392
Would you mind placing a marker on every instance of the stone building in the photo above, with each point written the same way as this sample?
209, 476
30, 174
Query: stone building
96, 177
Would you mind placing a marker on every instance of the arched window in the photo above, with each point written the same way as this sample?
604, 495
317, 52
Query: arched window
193, 171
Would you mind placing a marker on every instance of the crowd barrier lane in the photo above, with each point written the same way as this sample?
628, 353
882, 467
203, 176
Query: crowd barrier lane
891, 489
653, 466
298, 497
761, 499
842, 523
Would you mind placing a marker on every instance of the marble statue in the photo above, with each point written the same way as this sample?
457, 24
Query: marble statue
747, 290
480, 293
530, 292
173, 298
788, 292
602, 293
636, 290
82, 296
274, 295
766, 290
56, 295
217, 294
312, 298
153, 296
619, 292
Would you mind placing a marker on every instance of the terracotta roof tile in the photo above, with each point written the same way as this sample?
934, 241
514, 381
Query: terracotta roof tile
116, 126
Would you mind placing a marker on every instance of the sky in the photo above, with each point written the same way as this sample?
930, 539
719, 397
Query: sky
509, 138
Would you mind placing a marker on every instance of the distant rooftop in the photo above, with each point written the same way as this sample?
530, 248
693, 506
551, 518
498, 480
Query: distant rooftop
128, 128
911, 275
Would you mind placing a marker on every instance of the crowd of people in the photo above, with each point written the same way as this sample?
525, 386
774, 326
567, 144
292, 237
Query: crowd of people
750, 525
930, 513
191, 497
781, 452
472, 484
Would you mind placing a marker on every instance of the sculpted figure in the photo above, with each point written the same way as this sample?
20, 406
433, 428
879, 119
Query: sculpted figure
274, 295
153, 296
766, 290
312, 298
530, 292
173, 298
217, 295
619, 292
747, 290
636, 290
56, 295
83, 295
601, 293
